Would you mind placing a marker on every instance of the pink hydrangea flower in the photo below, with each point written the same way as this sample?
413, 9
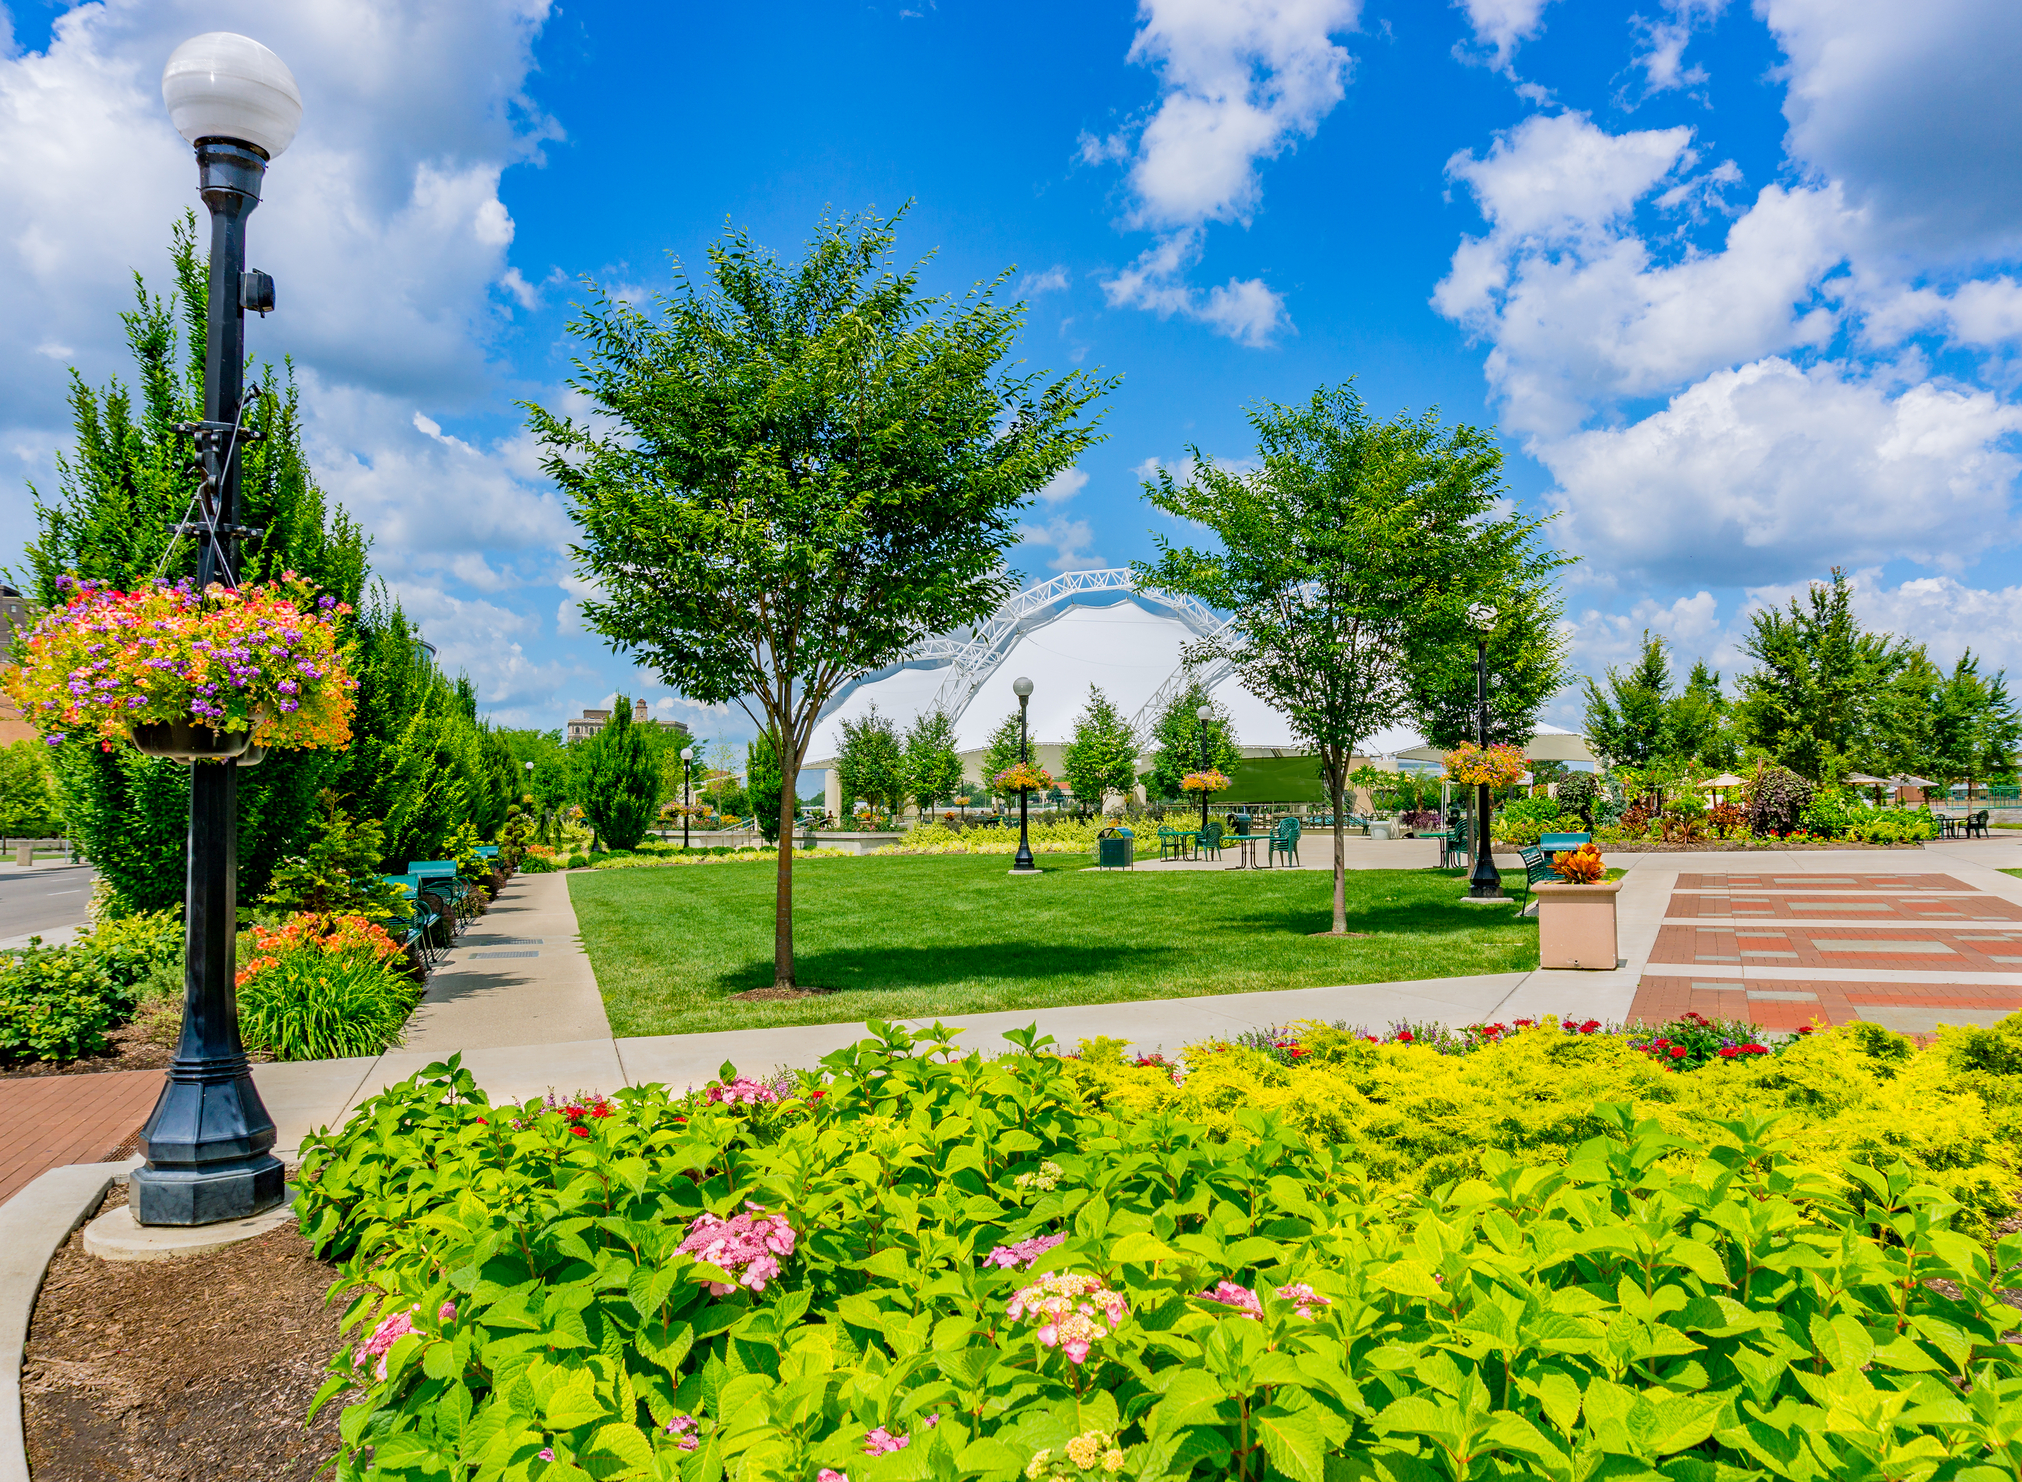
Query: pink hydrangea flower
547, 1453
1069, 1306
879, 1441
746, 1245
446, 1312
391, 1329
680, 1427
1022, 1252
1303, 1298
830, 1474
743, 1091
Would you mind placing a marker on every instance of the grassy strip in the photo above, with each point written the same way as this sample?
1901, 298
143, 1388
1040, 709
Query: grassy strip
950, 934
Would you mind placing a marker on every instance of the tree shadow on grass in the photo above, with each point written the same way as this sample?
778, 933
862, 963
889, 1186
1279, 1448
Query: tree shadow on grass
884, 968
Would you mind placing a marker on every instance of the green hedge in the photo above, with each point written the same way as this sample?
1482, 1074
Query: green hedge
1253, 1304
56, 1003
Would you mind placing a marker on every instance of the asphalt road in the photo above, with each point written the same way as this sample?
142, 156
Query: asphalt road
43, 899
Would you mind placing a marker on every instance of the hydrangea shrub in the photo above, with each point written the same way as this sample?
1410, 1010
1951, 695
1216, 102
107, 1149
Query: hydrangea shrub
1669, 1285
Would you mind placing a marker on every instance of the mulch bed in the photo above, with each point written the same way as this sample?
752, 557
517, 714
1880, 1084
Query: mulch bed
145, 1042
171, 1371
778, 995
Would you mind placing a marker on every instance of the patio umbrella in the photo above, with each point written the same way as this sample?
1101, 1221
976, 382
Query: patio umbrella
1724, 781
1906, 780
1861, 779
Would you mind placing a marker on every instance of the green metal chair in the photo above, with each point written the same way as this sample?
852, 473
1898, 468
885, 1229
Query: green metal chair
1172, 844
1977, 824
1211, 839
1284, 840
1537, 867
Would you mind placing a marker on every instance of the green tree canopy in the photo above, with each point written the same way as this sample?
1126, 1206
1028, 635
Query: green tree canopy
1973, 727
761, 784
30, 805
1102, 757
933, 770
1177, 737
1001, 752
1819, 697
1629, 722
871, 763
620, 782
796, 472
122, 487
1349, 558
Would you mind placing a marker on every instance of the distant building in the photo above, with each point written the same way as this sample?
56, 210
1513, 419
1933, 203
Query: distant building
582, 728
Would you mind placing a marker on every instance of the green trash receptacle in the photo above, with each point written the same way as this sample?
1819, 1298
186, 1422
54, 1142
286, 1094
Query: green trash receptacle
1115, 849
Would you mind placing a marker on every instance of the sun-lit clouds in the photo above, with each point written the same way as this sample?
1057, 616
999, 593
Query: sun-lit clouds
1914, 109
1052, 280
1769, 471
1063, 486
1061, 543
1500, 26
1246, 310
1665, 38
1241, 82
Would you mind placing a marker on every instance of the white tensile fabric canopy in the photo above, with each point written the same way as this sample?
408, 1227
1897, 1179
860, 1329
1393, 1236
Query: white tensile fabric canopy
1082, 629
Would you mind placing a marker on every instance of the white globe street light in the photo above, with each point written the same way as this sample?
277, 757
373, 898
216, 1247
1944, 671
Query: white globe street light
210, 1139
225, 86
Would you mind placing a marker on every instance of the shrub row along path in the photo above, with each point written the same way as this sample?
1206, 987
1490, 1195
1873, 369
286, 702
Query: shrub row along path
1768, 937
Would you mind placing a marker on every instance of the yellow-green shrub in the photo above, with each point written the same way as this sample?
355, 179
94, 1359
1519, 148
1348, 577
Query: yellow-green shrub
1062, 836
1416, 1119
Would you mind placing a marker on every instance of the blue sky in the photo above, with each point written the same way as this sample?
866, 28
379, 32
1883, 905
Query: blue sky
1735, 282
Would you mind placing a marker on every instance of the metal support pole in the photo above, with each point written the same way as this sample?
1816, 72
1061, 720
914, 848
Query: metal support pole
209, 1140
1204, 767
1024, 860
687, 797
1484, 882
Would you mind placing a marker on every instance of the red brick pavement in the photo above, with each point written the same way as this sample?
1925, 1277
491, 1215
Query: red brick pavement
55, 1120
1768, 881
1853, 909
1700, 968
1660, 997
1854, 946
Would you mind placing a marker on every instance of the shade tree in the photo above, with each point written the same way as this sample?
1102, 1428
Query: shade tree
789, 474
1349, 558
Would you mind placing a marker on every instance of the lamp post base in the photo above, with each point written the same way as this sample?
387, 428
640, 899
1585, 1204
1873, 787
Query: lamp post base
207, 1196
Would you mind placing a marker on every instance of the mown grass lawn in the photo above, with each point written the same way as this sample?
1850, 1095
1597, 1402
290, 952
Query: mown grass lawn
927, 935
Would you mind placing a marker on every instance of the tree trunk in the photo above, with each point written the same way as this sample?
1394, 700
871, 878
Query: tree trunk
782, 907
1336, 779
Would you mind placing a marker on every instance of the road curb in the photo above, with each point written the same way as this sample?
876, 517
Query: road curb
33, 1226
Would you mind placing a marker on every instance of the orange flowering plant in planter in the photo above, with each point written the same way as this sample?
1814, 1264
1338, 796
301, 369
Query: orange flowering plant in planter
1581, 866
1208, 781
261, 662
1023, 776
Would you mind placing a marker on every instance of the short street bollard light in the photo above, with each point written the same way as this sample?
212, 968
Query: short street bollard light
209, 1140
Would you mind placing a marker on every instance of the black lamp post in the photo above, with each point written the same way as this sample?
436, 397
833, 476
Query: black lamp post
1023, 864
209, 1140
1205, 714
687, 771
1484, 882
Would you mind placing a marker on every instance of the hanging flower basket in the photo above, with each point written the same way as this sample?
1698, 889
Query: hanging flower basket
188, 675
1023, 777
1208, 781
1499, 765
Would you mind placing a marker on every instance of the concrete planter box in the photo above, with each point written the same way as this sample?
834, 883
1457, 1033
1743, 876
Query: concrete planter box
1380, 828
855, 843
1576, 924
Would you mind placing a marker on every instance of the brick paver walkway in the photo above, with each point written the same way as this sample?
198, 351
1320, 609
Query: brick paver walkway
54, 1120
1783, 951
